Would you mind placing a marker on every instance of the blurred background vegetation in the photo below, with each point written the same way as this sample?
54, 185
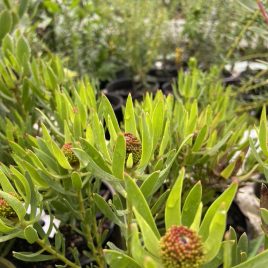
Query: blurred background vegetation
116, 38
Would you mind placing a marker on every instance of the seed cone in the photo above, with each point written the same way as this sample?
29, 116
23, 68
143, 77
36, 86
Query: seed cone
181, 247
72, 158
133, 145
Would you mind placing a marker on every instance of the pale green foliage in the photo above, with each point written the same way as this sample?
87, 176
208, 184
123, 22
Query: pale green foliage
182, 137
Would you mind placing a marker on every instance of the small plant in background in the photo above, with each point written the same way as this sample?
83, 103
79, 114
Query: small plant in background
105, 37
81, 32
139, 27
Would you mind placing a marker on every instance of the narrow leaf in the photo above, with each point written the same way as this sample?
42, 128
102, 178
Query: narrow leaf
119, 157
117, 259
138, 201
130, 122
173, 205
191, 204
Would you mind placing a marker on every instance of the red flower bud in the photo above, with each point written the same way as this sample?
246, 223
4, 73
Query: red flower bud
72, 158
6, 211
133, 145
181, 247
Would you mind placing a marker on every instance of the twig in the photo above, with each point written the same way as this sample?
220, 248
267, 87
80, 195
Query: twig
237, 40
262, 10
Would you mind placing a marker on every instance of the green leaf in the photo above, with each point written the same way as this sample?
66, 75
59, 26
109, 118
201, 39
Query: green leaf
258, 261
192, 118
166, 138
7, 4
216, 231
255, 153
81, 110
23, 7
10, 236
100, 136
36, 161
106, 209
76, 181
242, 248
250, 5
112, 131
15, 204
5, 183
148, 185
67, 133
77, 126
59, 241
150, 240
23, 50
95, 155
6, 23
33, 172
4, 228
218, 145
98, 171
137, 249
197, 219
130, 122
149, 262
138, 201
33, 257
227, 172
119, 157
158, 121
264, 215
20, 179
147, 145
173, 205
129, 163
108, 112
160, 202
118, 259
263, 132
52, 127
200, 138
171, 158
227, 253
226, 197
231, 235
59, 155
4, 263
191, 205
30, 234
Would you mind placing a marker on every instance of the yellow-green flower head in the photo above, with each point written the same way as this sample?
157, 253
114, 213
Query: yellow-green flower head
68, 152
6, 210
133, 145
181, 247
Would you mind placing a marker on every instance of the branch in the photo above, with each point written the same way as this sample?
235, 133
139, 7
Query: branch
263, 11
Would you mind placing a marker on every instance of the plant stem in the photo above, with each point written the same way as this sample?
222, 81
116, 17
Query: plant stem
53, 252
254, 56
263, 11
252, 106
240, 36
249, 88
48, 248
129, 222
246, 87
88, 235
98, 238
